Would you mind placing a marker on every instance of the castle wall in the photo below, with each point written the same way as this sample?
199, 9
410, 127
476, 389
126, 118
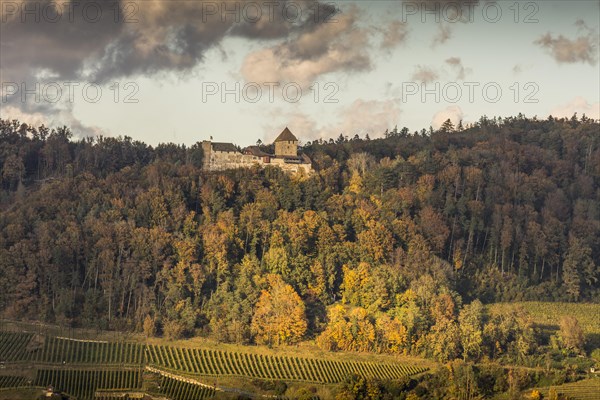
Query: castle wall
280, 162
222, 160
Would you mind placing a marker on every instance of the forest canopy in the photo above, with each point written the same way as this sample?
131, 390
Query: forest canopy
389, 237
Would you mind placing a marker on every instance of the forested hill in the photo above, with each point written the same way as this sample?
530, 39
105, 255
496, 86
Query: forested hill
112, 232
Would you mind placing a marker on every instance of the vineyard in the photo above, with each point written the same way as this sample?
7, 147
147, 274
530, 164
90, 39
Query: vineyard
59, 350
587, 389
81, 368
12, 381
84, 383
237, 364
176, 389
12, 345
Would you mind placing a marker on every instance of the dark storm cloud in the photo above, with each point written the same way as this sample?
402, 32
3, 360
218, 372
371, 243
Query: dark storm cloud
103, 40
278, 19
97, 41
51, 37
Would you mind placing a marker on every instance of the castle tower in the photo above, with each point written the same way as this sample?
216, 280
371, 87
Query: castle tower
207, 150
286, 144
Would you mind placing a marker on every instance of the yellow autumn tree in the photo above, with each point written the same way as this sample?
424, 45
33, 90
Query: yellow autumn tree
392, 335
350, 330
279, 316
364, 286
356, 183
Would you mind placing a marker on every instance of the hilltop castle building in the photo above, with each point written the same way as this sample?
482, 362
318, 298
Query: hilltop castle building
221, 156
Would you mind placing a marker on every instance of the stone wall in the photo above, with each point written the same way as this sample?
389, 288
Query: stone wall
221, 160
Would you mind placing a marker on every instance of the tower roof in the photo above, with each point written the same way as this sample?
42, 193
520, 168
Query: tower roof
226, 147
286, 136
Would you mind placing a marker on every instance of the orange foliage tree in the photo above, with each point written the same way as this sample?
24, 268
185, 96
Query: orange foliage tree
279, 316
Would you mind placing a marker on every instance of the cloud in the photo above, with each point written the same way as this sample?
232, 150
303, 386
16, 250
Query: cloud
100, 41
443, 12
61, 47
424, 74
368, 116
300, 123
330, 47
444, 33
10, 113
104, 41
394, 34
578, 105
454, 113
360, 117
276, 20
456, 64
60, 117
517, 69
564, 50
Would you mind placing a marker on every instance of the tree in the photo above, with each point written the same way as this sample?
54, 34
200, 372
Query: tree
434, 228
365, 286
334, 336
376, 242
578, 268
173, 329
571, 334
276, 259
447, 126
462, 381
357, 387
279, 316
149, 326
391, 334
443, 341
470, 320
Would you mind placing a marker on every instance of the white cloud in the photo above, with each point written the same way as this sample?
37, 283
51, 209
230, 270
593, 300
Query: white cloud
581, 49
35, 119
424, 74
394, 34
331, 47
454, 113
57, 118
578, 105
360, 117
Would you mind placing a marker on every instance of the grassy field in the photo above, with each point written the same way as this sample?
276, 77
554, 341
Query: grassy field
587, 389
21, 394
547, 316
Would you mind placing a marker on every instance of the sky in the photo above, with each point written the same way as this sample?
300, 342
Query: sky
239, 71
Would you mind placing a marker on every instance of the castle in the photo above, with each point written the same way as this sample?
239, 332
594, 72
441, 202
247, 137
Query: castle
221, 156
